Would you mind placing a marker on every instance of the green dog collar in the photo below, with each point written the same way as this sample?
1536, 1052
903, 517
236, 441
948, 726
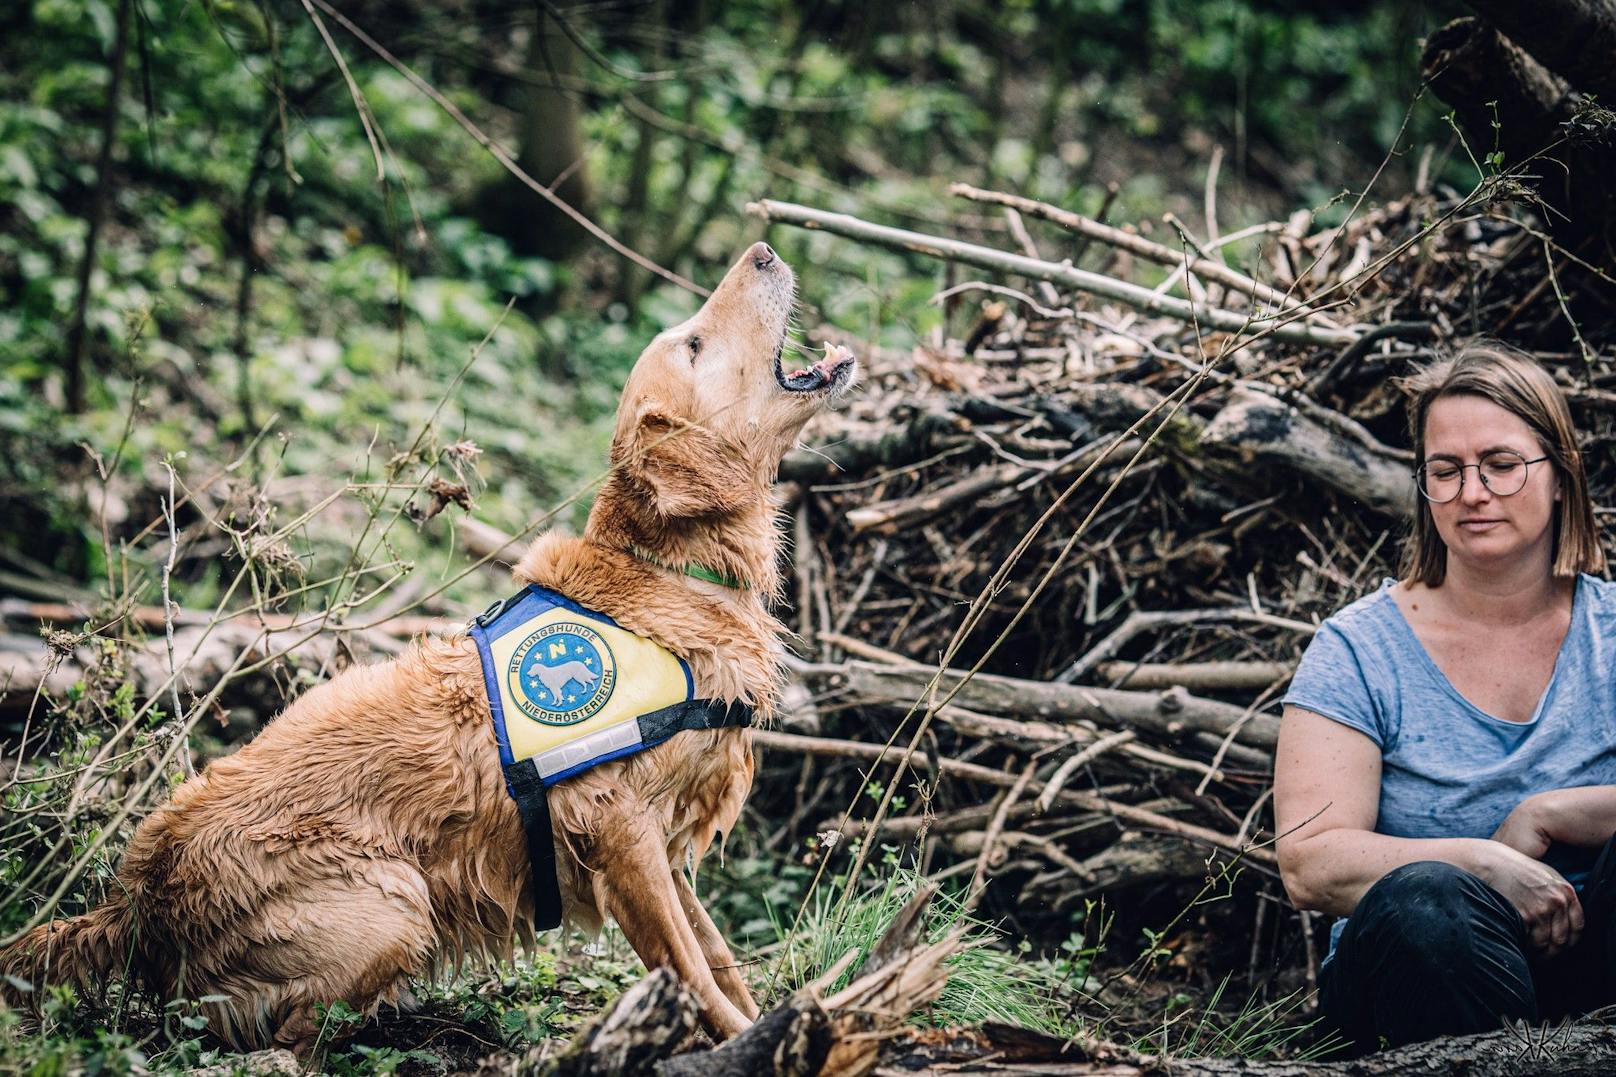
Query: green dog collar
693, 570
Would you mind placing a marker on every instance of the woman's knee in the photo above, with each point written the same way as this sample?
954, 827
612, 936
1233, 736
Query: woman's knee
1424, 881
1437, 910
1430, 949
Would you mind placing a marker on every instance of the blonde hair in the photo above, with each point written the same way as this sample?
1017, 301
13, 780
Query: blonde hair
1515, 382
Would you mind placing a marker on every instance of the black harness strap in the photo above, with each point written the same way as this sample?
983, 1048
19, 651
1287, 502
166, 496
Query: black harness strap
533, 805
657, 726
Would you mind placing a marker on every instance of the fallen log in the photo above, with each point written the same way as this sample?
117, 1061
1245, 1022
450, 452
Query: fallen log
1262, 427
1136, 860
889, 517
1487, 77
1302, 437
1171, 713
1575, 39
19, 611
298, 648
864, 449
1526, 96
1194, 676
1576, 1050
647, 1025
487, 541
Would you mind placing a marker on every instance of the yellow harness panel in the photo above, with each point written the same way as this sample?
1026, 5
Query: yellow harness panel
566, 676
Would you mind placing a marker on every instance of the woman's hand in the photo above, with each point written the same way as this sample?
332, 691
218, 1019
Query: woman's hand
1527, 828
1547, 903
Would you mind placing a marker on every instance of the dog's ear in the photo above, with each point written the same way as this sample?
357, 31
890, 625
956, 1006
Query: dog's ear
686, 469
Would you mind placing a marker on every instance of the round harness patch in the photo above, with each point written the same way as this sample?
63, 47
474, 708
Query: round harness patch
562, 674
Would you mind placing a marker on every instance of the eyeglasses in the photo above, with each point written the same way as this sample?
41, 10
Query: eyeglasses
1502, 471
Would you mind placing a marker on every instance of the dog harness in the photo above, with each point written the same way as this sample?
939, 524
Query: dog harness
569, 689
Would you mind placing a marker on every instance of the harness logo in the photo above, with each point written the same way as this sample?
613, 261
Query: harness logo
562, 674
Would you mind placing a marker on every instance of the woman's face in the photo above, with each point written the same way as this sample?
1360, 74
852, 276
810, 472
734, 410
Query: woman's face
1479, 527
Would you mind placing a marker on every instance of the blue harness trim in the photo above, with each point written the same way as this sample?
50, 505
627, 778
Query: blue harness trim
525, 780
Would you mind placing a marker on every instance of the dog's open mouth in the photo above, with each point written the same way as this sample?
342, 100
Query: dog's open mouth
830, 373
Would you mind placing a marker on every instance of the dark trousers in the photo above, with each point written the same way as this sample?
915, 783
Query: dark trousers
1432, 950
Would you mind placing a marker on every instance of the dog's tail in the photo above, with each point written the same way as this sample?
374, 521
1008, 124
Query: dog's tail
80, 950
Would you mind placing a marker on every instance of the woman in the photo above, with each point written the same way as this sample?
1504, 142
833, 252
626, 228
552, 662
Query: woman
1446, 770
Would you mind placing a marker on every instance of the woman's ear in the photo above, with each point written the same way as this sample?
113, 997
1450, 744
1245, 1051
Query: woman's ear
685, 468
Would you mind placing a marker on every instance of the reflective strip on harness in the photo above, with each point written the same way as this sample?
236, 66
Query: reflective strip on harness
568, 689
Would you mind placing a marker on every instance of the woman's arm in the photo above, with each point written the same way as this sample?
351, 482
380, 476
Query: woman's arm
1326, 801
1584, 815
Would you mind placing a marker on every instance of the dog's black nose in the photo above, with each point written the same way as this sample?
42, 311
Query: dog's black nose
762, 255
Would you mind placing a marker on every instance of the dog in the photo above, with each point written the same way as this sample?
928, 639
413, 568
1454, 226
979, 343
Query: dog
556, 678
365, 836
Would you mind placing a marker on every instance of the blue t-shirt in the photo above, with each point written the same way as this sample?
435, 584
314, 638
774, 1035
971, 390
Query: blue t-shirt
1448, 768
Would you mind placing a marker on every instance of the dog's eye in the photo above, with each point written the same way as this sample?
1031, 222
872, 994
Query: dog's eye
695, 348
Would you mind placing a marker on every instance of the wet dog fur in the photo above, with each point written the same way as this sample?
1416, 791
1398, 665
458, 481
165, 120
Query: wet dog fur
365, 836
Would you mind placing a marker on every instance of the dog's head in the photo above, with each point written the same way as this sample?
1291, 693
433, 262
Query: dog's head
711, 407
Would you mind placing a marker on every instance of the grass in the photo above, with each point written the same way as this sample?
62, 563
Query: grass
1257, 1031
1054, 994
986, 982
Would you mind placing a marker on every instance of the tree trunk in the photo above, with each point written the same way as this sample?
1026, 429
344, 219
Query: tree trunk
1576, 39
1491, 79
1470, 64
552, 150
73, 361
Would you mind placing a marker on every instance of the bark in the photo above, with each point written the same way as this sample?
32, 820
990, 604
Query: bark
1576, 39
1580, 1050
864, 449
652, 1020
300, 646
1195, 676
1340, 454
1470, 64
1132, 862
487, 541
1489, 77
1173, 712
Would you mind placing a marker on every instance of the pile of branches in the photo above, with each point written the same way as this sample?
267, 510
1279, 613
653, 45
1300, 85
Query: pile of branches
1054, 568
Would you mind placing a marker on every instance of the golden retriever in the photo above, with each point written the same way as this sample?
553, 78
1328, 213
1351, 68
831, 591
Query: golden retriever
365, 836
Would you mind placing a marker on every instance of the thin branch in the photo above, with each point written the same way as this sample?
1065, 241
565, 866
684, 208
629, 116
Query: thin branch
360, 104
1278, 326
